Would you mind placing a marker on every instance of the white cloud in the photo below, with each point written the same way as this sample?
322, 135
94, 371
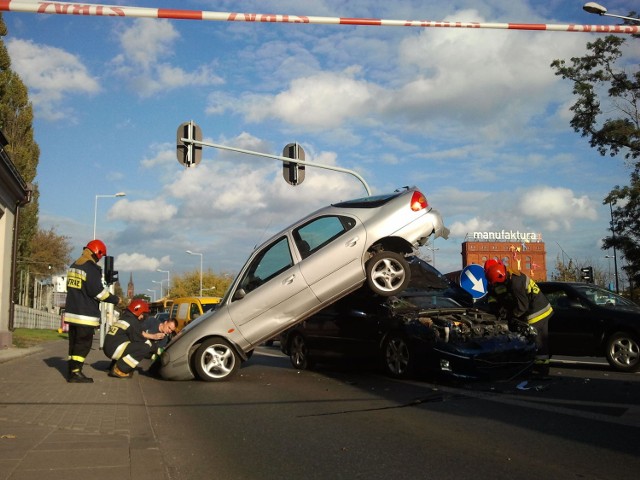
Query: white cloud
441, 82
146, 215
131, 262
144, 62
475, 224
52, 75
556, 207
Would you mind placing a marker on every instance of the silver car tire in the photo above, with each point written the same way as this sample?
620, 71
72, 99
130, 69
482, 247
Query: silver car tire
216, 360
397, 359
623, 352
388, 273
299, 353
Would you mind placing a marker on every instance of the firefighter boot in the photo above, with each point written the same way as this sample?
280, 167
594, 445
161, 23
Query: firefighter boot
540, 370
117, 373
76, 375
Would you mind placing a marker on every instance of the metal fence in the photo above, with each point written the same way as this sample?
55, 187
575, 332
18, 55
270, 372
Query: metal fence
25, 317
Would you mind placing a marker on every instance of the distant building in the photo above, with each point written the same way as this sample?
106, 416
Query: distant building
130, 288
523, 251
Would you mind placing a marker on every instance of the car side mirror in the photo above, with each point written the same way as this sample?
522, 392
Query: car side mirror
239, 294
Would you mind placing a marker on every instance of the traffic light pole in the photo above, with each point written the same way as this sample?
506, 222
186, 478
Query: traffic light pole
282, 159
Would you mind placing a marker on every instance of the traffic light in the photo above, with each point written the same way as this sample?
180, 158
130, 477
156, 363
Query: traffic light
110, 275
188, 153
587, 274
293, 173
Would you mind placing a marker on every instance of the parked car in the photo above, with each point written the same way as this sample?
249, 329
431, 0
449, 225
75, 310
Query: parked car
591, 321
302, 269
421, 329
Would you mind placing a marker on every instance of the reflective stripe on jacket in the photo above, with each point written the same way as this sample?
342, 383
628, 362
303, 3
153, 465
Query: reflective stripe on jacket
85, 291
521, 297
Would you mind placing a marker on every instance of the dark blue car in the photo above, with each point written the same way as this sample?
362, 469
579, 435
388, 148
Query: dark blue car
424, 328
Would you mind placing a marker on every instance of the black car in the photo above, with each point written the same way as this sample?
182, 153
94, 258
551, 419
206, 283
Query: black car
422, 328
591, 321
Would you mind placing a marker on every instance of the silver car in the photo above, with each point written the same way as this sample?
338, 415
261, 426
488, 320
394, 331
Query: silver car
304, 268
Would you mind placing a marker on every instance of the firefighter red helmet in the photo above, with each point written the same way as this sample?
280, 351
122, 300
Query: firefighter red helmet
98, 248
497, 273
488, 263
138, 307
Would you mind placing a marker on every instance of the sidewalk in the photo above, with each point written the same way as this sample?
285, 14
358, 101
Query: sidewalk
51, 429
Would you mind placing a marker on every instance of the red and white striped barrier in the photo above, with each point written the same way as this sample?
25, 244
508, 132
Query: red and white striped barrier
87, 9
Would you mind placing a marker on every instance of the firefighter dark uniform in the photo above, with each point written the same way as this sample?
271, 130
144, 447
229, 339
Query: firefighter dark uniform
523, 301
85, 291
125, 342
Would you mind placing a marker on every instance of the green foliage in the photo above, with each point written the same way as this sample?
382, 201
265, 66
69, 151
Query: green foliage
607, 111
16, 122
50, 253
28, 337
188, 284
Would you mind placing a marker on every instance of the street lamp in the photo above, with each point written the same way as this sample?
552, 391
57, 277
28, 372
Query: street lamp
154, 293
201, 255
95, 208
596, 8
615, 257
159, 283
609, 257
168, 278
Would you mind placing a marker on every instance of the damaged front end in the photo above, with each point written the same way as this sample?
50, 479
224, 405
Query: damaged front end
470, 343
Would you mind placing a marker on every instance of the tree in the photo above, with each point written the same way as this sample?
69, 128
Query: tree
50, 252
16, 122
564, 272
613, 130
188, 284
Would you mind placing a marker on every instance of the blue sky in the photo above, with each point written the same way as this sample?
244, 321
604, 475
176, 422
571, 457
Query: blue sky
475, 117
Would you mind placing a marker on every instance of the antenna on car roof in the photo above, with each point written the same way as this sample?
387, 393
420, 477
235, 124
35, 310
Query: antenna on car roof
262, 235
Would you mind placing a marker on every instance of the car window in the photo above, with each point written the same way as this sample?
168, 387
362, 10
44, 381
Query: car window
368, 202
557, 298
209, 306
194, 311
605, 298
316, 234
182, 310
270, 262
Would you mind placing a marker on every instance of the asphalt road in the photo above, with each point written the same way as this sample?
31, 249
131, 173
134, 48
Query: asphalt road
274, 422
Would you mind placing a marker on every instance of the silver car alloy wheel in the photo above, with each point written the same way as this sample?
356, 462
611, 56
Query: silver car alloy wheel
216, 361
388, 273
623, 352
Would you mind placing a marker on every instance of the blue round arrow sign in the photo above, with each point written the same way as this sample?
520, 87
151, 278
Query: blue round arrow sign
472, 279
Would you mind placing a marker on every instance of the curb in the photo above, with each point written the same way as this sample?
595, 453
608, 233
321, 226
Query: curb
8, 354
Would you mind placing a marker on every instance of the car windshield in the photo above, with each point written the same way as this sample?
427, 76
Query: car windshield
423, 301
605, 298
426, 278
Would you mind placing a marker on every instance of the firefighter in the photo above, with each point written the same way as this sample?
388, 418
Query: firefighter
85, 291
520, 298
126, 343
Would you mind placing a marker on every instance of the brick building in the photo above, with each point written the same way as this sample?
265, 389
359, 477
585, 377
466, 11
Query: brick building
524, 251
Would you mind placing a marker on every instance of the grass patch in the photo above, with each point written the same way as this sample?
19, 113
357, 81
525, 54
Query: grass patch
30, 337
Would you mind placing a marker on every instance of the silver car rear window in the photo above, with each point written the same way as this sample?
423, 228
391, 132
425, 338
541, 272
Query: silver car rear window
368, 202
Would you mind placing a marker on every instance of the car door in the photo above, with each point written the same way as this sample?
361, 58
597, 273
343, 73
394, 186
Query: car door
331, 248
271, 293
573, 327
348, 327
